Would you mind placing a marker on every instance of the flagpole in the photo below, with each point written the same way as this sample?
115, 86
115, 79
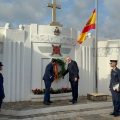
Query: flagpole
96, 48
96, 96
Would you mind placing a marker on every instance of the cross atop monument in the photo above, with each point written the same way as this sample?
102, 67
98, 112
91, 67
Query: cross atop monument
54, 7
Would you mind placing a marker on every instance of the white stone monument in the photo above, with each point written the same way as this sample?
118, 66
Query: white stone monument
26, 51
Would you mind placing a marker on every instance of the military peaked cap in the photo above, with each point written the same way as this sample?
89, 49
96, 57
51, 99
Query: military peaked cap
113, 61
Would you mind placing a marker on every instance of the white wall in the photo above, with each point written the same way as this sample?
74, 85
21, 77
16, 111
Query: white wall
49, 30
107, 50
85, 60
39, 62
17, 66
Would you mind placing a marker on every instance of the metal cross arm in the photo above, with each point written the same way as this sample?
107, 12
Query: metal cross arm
51, 5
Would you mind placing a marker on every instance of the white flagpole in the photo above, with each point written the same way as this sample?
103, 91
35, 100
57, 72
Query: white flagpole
96, 48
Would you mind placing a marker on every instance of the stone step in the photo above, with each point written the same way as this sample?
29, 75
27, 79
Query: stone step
62, 96
97, 97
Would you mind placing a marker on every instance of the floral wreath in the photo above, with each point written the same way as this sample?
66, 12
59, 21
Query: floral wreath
59, 72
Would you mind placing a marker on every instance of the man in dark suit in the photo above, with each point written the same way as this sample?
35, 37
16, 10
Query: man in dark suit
73, 78
48, 79
2, 95
115, 79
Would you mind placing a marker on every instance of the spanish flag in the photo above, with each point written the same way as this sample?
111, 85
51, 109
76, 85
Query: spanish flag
90, 25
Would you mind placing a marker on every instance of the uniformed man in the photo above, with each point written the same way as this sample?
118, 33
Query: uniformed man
48, 79
2, 94
73, 78
115, 81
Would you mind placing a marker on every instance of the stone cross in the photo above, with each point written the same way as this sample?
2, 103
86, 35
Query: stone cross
54, 7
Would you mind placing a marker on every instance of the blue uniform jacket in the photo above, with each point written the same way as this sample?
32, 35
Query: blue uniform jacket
115, 78
2, 95
49, 73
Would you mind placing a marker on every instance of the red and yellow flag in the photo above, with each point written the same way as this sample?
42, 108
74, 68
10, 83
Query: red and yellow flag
90, 25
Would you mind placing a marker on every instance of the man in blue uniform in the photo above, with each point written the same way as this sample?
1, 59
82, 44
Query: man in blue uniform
48, 79
73, 78
2, 95
115, 80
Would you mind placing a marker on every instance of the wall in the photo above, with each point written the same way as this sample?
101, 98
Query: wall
107, 50
17, 65
84, 55
1, 43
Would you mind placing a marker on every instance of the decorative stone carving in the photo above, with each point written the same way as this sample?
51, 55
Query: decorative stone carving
57, 31
104, 52
21, 27
56, 49
46, 49
52, 39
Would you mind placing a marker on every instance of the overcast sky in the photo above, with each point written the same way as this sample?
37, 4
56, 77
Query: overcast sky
74, 13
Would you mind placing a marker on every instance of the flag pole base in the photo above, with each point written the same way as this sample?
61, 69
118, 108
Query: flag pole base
97, 97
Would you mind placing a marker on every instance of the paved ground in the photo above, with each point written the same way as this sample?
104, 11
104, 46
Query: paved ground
36, 105
59, 110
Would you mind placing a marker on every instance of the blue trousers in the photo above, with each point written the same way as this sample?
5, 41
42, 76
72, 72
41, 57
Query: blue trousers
47, 90
74, 87
1, 101
116, 101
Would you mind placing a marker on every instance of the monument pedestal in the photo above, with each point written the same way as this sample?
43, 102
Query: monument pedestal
56, 24
97, 97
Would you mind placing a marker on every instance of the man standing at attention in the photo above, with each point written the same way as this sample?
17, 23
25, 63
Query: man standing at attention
48, 79
73, 78
115, 91
2, 95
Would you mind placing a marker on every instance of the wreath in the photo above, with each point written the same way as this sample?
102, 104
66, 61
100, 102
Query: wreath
59, 68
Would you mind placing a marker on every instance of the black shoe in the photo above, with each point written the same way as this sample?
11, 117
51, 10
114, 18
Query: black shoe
112, 113
46, 103
74, 101
70, 100
50, 101
116, 115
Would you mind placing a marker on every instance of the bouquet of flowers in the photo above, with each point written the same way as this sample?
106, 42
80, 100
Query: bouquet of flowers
52, 91
38, 91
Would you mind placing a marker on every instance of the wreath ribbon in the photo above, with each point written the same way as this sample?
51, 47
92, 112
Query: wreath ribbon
56, 71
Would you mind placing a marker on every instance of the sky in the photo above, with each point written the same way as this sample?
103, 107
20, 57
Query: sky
74, 14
